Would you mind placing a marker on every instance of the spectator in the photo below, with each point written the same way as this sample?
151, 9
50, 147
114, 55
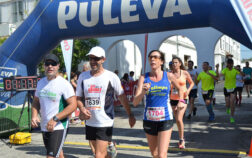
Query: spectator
131, 76
125, 78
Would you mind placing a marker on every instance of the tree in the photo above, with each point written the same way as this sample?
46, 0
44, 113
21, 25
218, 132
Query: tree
2, 39
80, 49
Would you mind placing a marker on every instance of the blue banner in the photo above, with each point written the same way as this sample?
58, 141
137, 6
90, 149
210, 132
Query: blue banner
52, 21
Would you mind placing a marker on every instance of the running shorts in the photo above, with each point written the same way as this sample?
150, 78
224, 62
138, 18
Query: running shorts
227, 94
153, 127
193, 93
238, 89
247, 81
175, 102
54, 141
208, 96
100, 133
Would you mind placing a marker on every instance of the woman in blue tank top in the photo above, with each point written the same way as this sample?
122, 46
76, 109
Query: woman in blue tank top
154, 86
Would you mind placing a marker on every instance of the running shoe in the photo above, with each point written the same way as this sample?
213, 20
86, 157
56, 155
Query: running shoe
211, 118
189, 116
228, 111
194, 111
181, 144
112, 150
232, 120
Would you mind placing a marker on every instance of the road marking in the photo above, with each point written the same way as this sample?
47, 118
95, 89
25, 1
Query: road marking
171, 149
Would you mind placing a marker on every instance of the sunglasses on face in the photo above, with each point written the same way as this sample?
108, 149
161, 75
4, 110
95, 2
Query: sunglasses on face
53, 63
94, 58
154, 56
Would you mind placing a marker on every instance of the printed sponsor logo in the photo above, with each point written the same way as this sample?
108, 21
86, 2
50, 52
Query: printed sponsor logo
129, 12
5, 72
94, 89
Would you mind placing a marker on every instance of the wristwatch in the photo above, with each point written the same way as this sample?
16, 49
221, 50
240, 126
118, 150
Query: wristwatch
55, 118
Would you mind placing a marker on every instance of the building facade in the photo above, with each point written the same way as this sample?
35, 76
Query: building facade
13, 13
226, 46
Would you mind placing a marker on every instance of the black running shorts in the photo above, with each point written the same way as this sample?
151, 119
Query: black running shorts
54, 141
153, 127
193, 93
100, 133
208, 96
227, 94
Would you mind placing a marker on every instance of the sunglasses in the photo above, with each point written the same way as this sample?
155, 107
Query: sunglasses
53, 63
154, 56
94, 58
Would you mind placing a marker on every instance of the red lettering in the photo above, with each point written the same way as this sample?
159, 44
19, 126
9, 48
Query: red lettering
67, 47
247, 3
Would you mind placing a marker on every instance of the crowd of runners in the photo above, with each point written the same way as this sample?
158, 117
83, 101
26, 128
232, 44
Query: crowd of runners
165, 95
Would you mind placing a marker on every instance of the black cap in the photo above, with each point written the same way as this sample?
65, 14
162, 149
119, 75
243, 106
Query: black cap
52, 57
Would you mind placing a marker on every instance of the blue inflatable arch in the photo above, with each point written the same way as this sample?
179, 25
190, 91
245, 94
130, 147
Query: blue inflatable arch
55, 20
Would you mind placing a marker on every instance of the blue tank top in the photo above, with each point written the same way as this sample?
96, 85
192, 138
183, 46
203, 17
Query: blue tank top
157, 101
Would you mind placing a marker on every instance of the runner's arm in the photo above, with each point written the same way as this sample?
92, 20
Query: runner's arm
214, 77
139, 91
70, 108
190, 81
35, 111
124, 101
84, 113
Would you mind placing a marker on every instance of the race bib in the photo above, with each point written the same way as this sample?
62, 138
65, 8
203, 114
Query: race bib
93, 103
174, 91
230, 90
204, 92
155, 113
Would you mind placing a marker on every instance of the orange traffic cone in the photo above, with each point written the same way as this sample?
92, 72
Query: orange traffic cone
250, 151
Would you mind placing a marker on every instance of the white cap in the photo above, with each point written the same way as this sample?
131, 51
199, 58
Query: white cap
97, 51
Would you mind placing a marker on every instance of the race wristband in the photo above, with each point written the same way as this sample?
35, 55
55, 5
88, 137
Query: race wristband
182, 100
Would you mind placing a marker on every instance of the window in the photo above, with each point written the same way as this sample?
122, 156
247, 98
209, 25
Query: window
186, 59
18, 11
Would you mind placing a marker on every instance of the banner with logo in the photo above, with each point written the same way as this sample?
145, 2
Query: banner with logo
67, 50
243, 10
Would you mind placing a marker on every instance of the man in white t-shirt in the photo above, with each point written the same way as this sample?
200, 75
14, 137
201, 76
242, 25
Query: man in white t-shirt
96, 89
194, 91
55, 100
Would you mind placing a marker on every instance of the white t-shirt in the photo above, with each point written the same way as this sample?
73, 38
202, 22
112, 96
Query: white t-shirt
193, 73
239, 81
99, 96
52, 98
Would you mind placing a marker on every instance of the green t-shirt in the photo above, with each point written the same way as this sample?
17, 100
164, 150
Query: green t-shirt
230, 77
207, 82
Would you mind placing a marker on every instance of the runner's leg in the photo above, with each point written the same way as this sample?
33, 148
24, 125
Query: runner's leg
232, 105
152, 142
101, 148
179, 121
163, 144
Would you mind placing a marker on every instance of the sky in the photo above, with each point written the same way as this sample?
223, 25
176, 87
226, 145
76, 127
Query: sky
245, 52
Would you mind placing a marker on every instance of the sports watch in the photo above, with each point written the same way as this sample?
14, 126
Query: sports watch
55, 118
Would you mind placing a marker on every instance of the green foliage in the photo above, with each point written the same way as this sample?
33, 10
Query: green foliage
2, 40
80, 49
245, 60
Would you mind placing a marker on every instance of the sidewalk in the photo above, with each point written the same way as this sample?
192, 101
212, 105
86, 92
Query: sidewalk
218, 139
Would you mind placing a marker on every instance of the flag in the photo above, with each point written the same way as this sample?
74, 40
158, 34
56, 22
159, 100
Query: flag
67, 50
243, 9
